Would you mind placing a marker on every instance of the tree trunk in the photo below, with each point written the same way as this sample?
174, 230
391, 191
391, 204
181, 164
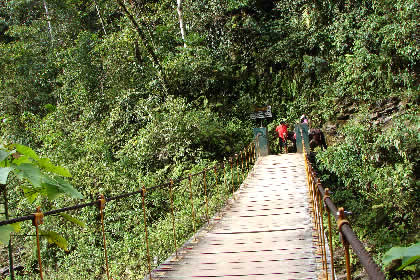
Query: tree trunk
48, 20
147, 45
181, 21
100, 17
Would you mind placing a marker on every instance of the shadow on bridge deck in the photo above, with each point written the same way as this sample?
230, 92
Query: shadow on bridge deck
266, 233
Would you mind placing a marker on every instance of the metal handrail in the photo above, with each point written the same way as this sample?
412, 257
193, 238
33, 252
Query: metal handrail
320, 197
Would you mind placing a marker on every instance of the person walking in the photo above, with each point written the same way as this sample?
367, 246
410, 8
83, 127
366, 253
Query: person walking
282, 131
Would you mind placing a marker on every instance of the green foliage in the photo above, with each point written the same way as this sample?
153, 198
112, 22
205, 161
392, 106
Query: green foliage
377, 181
28, 166
81, 87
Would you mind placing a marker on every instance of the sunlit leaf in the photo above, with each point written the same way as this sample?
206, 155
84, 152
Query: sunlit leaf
24, 150
56, 185
55, 238
22, 159
59, 170
73, 220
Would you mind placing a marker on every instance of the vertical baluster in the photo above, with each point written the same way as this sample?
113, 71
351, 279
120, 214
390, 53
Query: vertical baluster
192, 205
246, 160
233, 184
321, 222
242, 166
101, 206
224, 178
143, 195
205, 194
327, 195
37, 221
9, 247
237, 170
341, 221
215, 175
173, 217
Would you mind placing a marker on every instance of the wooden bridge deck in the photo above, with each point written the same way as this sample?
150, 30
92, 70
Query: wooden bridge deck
266, 233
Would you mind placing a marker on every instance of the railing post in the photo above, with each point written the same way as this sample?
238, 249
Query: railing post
101, 206
205, 194
237, 169
215, 175
341, 221
9, 247
37, 221
327, 195
224, 177
143, 195
321, 210
231, 171
192, 204
242, 166
173, 217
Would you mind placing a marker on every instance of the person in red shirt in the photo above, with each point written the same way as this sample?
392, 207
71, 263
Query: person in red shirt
282, 131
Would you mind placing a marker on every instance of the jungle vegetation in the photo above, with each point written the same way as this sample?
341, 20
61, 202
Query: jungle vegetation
129, 92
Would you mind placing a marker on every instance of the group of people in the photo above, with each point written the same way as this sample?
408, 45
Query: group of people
283, 133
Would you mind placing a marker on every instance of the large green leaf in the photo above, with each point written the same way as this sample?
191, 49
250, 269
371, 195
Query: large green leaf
411, 255
408, 255
59, 170
22, 159
56, 185
30, 172
52, 191
73, 220
393, 254
4, 154
6, 230
24, 150
4, 173
55, 238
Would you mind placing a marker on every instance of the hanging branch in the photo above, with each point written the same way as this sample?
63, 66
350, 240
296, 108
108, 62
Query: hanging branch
147, 45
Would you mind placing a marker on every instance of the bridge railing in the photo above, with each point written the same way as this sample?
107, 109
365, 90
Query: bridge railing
238, 166
323, 207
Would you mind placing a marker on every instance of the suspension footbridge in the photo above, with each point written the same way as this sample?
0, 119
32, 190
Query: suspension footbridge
266, 232
279, 224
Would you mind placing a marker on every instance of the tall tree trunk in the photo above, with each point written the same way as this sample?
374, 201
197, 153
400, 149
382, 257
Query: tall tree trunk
48, 20
147, 45
181, 21
100, 17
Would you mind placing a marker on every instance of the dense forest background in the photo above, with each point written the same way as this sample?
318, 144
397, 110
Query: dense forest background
115, 92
